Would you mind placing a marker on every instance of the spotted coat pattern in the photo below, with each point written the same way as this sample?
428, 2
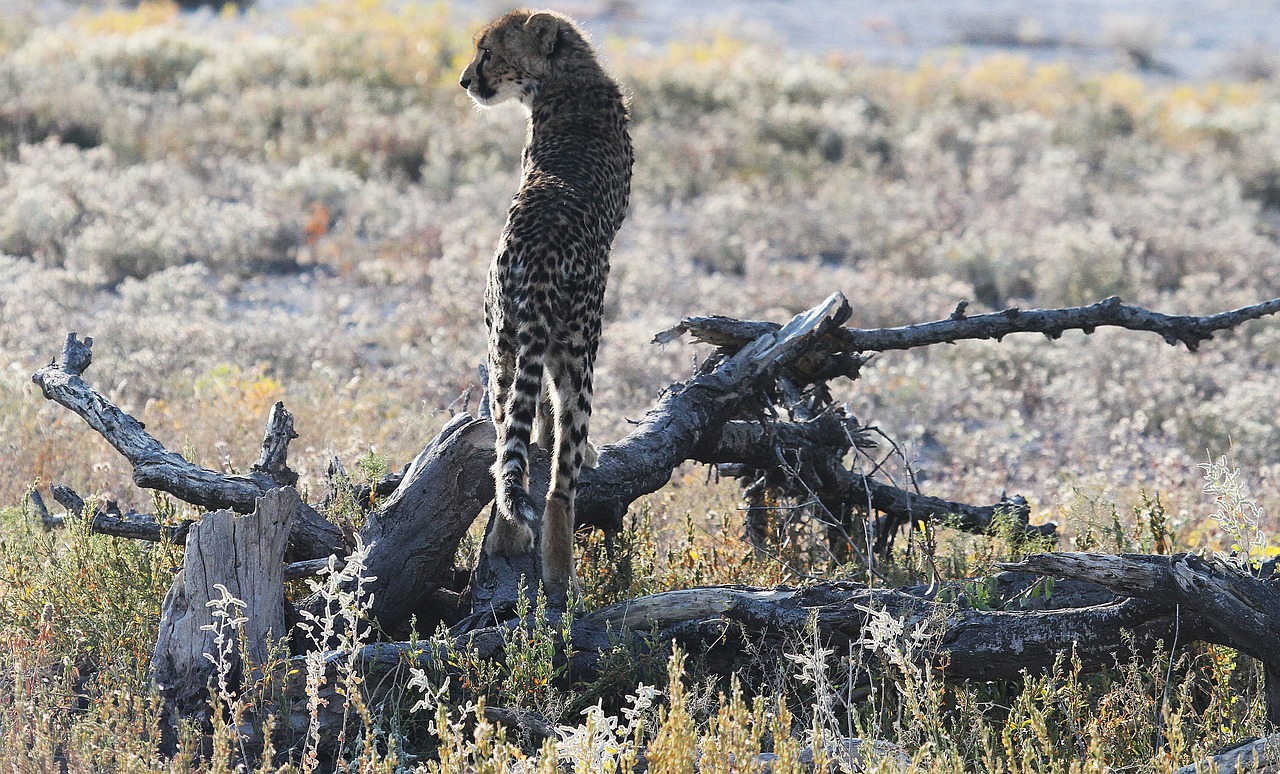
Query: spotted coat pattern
545, 293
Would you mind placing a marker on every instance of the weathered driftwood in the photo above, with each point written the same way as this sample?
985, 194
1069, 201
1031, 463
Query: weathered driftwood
155, 467
414, 534
721, 416
241, 554
736, 628
1240, 610
725, 414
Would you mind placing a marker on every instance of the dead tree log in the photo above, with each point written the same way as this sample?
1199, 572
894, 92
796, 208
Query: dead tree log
726, 414
738, 629
414, 534
227, 556
1241, 611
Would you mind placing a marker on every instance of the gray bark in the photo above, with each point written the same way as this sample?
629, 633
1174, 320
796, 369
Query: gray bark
721, 622
414, 534
243, 554
1237, 608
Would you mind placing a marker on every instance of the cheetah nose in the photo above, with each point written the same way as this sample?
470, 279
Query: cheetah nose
466, 82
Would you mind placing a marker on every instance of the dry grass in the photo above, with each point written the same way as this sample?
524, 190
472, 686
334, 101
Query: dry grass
246, 210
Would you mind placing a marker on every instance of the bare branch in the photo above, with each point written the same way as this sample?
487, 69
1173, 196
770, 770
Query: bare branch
730, 334
1189, 330
108, 520
757, 446
642, 462
155, 467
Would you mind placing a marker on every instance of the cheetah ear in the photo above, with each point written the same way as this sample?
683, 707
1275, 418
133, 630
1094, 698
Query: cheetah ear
544, 28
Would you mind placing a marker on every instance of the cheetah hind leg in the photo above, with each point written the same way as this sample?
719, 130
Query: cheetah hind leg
558, 577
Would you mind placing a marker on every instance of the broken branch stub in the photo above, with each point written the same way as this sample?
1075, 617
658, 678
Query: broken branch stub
233, 564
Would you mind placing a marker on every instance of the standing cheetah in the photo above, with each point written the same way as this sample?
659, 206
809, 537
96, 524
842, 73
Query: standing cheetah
546, 284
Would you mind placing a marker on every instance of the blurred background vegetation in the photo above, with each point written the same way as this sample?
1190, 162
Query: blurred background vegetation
301, 204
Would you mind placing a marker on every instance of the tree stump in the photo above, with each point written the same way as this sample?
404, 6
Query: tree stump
242, 555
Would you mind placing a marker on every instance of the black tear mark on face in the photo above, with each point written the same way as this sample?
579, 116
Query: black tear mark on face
483, 89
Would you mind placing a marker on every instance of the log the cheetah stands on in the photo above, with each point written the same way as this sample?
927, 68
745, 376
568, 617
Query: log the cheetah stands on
546, 284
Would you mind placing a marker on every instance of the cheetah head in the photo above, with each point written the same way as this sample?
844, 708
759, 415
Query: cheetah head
513, 54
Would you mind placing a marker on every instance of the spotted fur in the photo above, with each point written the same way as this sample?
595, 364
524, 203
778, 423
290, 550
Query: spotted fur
546, 284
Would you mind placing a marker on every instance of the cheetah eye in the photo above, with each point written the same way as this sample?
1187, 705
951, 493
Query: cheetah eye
485, 53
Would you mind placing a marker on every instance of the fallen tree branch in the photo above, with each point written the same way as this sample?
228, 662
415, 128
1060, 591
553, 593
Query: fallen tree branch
669, 433
737, 627
1240, 610
414, 533
108, 520
1191, 330
155, 467
760, 446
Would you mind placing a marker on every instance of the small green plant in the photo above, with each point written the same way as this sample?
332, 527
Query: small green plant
342, 627
1237, 513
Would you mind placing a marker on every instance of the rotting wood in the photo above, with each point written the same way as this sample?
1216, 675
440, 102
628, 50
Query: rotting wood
243, 555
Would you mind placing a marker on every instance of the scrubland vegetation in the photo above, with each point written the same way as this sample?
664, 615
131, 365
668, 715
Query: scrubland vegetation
248, 209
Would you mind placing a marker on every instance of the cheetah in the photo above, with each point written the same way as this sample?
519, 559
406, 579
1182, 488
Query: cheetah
543, 302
